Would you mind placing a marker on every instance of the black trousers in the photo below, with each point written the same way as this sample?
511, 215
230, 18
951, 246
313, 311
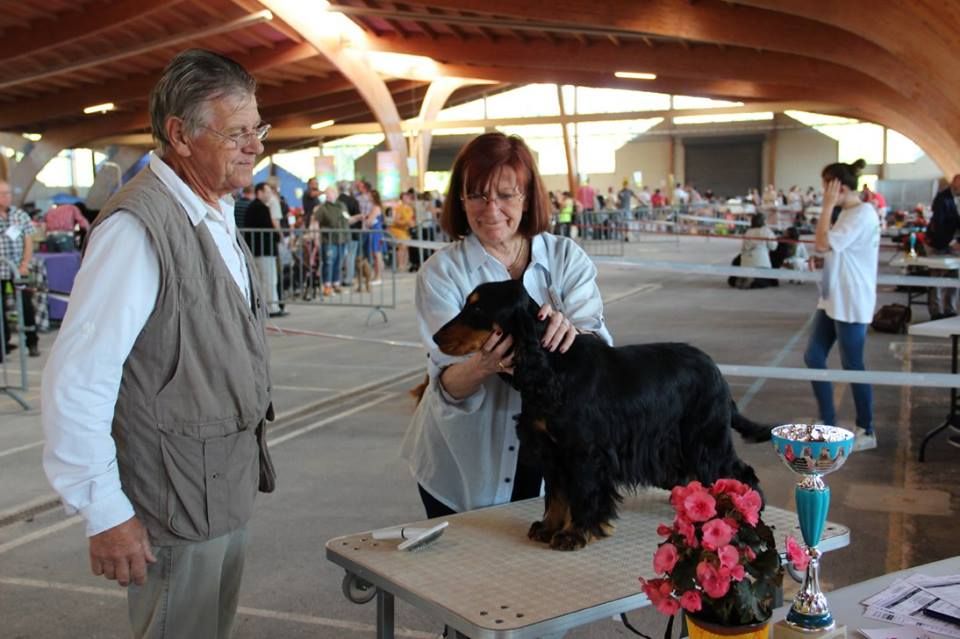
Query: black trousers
29, 317
526, 484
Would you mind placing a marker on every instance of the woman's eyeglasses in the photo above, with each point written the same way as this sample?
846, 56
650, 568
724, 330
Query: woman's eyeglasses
501, 200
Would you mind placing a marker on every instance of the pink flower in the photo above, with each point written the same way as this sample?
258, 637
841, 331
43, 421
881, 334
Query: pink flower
729, 557
668, 606
712, 582
664, 530
737, 573
651, 588
716, 534
690, 601
749, 554
796, 554
749, 505
699, 506
689, 533
680, 493
729, 486
665, 558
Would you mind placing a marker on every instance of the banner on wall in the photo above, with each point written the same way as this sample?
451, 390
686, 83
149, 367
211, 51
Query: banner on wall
325, 170
388, 174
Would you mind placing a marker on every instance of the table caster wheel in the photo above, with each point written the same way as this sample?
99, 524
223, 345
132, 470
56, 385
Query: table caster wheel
357, 590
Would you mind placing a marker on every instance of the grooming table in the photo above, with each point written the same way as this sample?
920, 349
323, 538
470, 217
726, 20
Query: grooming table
947, 327
485, 579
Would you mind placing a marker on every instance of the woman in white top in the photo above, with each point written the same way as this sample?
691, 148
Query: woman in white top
848, 292
462, 443
758, 241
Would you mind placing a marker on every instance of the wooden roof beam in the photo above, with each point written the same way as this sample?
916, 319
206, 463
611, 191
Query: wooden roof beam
61, 30
24, 113
240, 23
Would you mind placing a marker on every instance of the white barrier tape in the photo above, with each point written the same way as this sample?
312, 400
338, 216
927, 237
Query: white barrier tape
713, 220
770, 273
273, 328
425, 244
880, 378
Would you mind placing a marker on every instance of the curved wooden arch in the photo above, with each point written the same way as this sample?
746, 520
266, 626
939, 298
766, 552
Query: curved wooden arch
352, 64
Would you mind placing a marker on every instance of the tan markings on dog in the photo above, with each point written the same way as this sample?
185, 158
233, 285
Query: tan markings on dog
558, 513
474, 298
540, 425
608, 527
458, 339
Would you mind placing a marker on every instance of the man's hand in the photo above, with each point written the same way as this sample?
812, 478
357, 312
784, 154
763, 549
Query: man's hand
122, 553
24, 269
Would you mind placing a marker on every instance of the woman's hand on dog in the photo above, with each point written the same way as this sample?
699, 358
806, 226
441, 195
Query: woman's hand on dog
495, 356
560, 331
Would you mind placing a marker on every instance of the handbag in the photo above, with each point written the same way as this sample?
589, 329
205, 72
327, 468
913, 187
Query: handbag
892, 318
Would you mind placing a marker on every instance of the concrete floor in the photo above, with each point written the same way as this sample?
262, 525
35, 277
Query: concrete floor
340, 471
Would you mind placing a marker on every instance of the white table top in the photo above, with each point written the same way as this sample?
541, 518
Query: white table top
486, 579
949, 262
845, 602
937, 328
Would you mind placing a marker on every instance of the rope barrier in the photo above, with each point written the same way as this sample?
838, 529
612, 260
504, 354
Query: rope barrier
770, 273
880, 378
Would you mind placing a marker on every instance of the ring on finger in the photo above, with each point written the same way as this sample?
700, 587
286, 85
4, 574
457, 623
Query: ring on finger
500, 365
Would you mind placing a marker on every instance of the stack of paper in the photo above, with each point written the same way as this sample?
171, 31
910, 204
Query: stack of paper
930, 604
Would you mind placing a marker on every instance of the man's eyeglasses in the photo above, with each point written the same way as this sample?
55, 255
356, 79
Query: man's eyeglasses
501, 200
239, 140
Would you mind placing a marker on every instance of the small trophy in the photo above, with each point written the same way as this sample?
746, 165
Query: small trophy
811, 451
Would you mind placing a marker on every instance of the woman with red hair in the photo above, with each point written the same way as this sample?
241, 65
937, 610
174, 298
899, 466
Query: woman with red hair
462, 442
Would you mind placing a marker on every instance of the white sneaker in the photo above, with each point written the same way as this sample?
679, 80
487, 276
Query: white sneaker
864, 440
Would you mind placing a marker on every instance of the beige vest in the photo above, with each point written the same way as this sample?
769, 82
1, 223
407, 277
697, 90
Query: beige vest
195, 390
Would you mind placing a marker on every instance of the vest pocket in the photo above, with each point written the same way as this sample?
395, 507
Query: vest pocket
212, 481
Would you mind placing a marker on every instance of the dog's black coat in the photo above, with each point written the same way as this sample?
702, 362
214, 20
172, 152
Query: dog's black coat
600, 418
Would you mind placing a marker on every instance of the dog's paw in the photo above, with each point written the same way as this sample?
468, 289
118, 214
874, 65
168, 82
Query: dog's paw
539, 532
568, 540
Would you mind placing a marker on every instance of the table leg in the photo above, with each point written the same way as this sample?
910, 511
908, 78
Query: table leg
951, 419
385, 615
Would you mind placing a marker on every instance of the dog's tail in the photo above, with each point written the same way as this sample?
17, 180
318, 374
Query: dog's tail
417, 391
749, 430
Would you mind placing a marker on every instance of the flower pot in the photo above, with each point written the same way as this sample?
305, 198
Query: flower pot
698, 629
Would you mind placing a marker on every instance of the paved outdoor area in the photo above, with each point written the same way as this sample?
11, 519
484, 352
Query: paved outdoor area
344, 406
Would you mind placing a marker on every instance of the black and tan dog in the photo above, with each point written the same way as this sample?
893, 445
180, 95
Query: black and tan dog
601, 418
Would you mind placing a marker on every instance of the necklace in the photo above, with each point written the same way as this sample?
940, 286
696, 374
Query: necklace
520, 253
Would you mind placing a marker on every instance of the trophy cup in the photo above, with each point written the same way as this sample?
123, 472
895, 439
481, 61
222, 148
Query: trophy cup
811, 451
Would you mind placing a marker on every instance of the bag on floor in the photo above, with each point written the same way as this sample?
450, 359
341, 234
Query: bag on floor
892, 318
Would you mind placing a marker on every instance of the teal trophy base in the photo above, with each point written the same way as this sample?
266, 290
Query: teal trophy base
783, 630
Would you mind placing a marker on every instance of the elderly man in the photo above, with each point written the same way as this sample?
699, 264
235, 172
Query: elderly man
163, 348
332, 217
16, 250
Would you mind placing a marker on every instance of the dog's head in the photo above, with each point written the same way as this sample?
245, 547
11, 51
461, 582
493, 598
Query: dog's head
496, 305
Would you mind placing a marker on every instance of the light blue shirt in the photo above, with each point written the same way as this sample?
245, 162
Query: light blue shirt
112, 298
464, 452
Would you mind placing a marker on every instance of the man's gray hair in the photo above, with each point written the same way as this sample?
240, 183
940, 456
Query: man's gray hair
190, 81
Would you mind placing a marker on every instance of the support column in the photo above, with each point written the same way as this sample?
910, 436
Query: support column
882, 169
437, 95
567, 146
772, 158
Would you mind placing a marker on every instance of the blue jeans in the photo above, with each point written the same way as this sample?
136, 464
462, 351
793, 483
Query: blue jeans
851, 337
350, 259
332, 261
